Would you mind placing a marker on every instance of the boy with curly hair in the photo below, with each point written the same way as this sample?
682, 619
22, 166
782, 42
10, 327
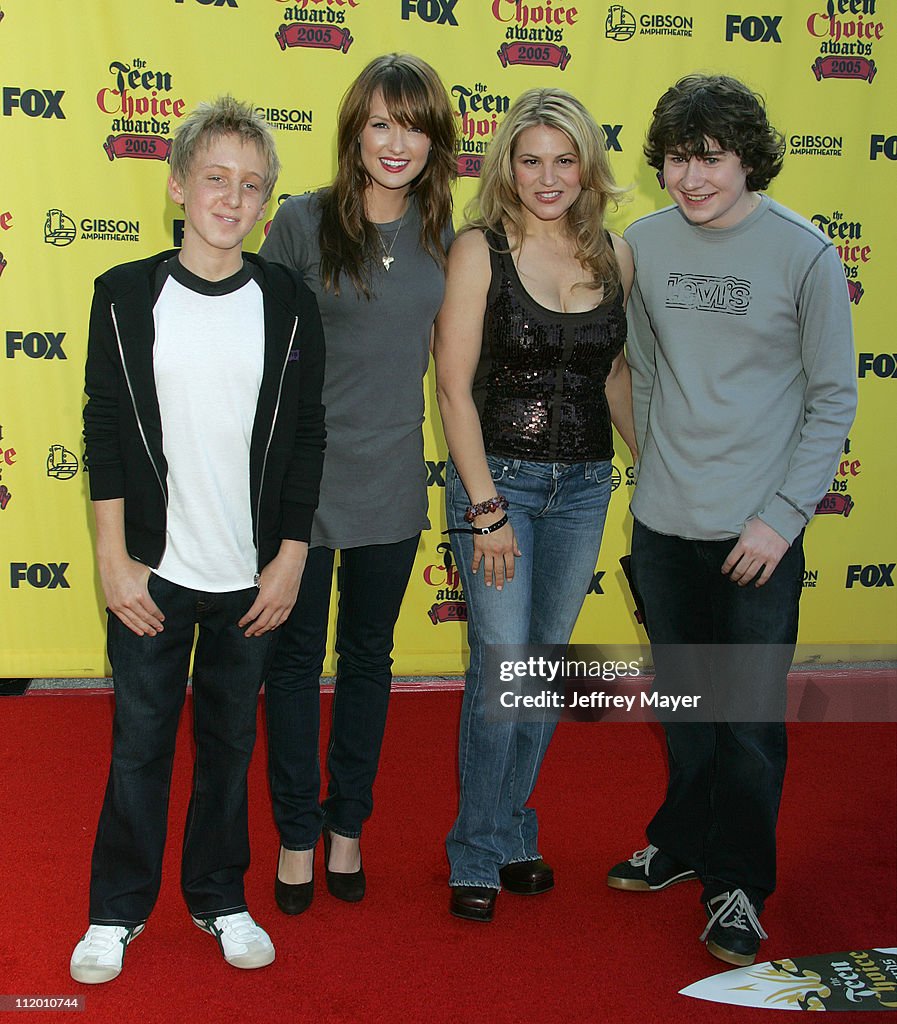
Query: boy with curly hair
744, 390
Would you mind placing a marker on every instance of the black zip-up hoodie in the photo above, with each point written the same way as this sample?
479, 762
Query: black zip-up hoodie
123, 427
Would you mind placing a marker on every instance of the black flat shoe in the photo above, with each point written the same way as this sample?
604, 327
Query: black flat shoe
344, 885
294, 899
527, 877
473, 902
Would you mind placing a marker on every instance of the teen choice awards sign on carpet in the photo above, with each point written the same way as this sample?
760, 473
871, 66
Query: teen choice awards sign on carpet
92, 95
855, 980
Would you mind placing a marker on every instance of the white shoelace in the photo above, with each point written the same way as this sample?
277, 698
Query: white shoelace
238, 928
102, 941
643, 858
735, 911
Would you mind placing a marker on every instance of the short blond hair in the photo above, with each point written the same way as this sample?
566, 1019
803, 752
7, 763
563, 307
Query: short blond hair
223, 116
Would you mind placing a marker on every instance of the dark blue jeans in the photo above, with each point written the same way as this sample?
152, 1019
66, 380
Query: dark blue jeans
725, 781
372, 584
149, 675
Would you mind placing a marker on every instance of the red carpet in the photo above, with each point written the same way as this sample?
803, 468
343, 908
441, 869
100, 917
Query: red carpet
580, 953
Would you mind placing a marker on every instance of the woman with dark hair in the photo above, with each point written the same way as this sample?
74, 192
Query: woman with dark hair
530, 375
373, 249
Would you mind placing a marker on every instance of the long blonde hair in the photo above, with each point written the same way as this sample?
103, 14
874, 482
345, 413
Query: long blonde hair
414, 95
498, 205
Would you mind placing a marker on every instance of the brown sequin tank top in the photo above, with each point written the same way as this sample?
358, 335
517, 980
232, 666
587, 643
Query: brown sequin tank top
539, 384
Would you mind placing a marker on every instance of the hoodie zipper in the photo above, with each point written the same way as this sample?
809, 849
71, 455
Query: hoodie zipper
124, 366
258, 508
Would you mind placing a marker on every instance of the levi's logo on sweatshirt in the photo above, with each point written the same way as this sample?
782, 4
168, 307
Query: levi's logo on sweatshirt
711, 294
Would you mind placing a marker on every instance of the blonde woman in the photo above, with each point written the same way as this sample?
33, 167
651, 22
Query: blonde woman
530, 376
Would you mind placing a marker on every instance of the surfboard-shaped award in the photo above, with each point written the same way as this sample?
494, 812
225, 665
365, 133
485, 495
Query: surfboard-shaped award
857, 980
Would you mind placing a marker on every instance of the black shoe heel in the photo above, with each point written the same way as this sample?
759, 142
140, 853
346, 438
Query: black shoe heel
344, 885
294, 899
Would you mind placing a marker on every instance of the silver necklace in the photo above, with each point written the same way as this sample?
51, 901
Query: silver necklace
387, 259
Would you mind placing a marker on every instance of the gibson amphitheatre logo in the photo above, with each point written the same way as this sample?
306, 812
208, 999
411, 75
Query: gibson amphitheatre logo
620, 24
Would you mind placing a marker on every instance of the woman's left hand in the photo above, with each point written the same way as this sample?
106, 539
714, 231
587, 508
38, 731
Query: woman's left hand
496, 551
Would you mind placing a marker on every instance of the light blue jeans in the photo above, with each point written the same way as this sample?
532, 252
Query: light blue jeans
557, 511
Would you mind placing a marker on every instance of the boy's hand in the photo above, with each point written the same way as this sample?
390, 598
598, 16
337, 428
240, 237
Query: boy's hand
124, 585
756, 554
278, 588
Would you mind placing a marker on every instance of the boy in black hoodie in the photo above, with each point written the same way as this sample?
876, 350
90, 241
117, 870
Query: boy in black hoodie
204, 435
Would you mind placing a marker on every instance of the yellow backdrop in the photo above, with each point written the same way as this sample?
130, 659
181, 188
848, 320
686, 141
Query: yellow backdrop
92, 92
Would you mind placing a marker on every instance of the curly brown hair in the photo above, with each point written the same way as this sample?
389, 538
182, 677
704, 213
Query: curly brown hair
700, 109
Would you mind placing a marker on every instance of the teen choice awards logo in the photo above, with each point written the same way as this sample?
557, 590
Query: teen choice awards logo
534, 33
864, 979
315, 28
848, 30
7, 458
142, 107
854, 251
449, 604
838, 500
479, 112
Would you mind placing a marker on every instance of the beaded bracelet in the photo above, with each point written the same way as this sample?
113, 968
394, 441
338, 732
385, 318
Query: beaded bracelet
482, 530
491, 505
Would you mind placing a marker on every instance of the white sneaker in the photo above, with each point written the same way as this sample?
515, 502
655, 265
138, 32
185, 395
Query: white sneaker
98, 956
243, 943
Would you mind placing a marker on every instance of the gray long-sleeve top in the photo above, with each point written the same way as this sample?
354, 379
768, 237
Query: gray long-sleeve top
744, 385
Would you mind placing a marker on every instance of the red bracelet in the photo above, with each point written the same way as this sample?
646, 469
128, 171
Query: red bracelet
491, 505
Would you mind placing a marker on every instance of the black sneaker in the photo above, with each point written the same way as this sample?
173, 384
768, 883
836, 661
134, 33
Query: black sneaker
648, 870
733, 931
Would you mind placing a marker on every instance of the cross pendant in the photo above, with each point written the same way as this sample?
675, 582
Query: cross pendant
387, 261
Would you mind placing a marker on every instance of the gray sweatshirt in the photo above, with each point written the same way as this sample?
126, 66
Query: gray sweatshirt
744, 385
